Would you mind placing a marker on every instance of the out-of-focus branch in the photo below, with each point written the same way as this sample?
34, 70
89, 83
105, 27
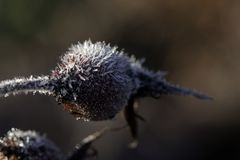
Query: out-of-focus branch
22, 145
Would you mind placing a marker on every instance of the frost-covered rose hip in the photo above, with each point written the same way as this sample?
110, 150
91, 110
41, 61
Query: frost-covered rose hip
95, 81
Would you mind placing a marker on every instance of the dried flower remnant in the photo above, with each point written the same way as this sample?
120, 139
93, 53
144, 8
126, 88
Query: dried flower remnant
28, 145
95, 81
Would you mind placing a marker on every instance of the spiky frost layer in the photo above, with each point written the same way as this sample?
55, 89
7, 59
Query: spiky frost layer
28, 145
94, 81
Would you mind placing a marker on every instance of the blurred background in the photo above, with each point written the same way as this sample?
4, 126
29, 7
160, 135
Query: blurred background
197, 42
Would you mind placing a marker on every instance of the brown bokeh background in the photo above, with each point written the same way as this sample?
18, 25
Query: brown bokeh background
197, 42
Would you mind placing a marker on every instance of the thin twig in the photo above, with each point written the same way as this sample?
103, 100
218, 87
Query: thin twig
82, 150
32, 84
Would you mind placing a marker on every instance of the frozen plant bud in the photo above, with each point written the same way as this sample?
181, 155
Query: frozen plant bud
28, 145
94, 81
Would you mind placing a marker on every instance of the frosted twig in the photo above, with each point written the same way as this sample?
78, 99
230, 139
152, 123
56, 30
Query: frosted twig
26, 85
